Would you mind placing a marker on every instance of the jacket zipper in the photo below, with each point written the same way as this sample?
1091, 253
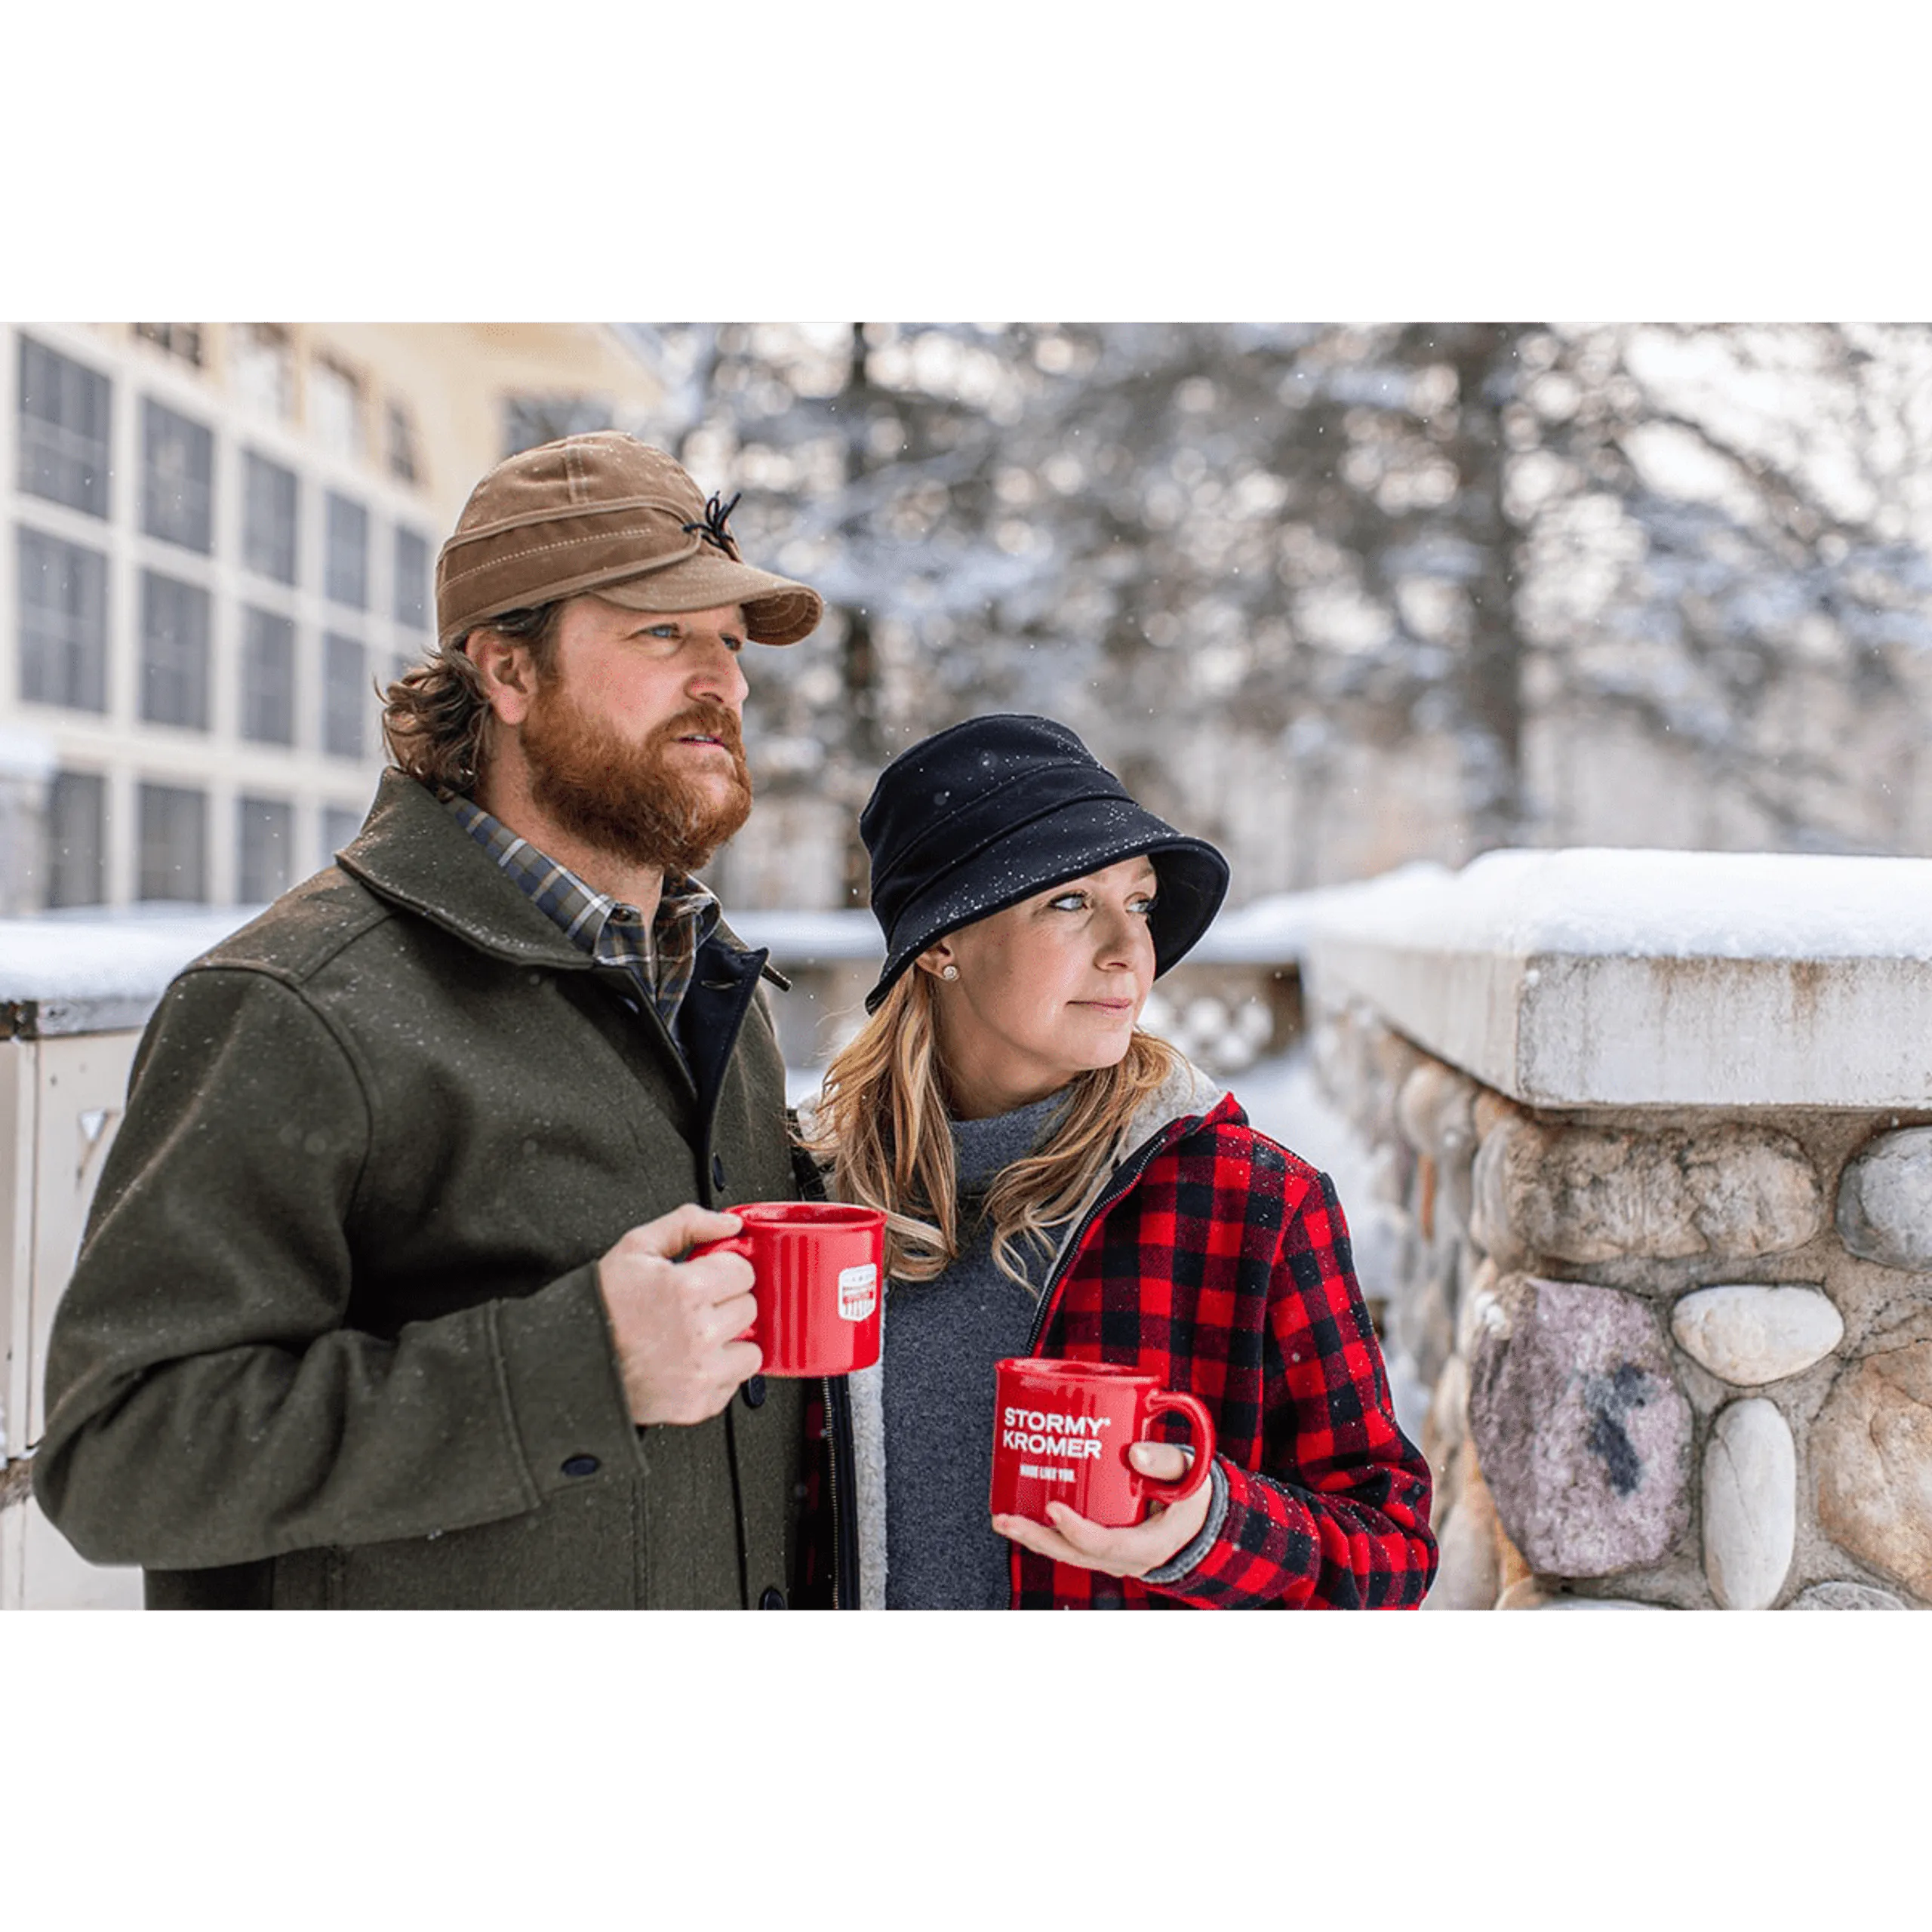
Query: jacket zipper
845, 1548
838, 1446
832, 1481
1116, 1190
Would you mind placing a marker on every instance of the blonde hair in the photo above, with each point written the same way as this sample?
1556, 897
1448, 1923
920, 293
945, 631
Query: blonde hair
884, 1123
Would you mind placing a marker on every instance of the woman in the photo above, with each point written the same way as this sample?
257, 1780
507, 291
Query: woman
1060, 1183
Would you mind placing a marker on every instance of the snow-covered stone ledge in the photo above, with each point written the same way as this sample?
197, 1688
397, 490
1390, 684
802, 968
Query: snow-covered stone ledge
1652, 1143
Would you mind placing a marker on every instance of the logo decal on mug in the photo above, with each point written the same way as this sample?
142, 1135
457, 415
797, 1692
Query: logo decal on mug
815, 1281
1035, 1433
858, 1292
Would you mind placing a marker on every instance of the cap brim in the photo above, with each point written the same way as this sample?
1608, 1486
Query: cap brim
776, 610
1085, 838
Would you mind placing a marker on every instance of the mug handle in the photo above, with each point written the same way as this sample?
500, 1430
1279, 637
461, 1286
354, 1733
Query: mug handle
738, 1244
1202, 1427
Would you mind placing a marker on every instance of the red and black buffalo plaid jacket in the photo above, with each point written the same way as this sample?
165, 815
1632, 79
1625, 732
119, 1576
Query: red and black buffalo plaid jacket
1218, 1261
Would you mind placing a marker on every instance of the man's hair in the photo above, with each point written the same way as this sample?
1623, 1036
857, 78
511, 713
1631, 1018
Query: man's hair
435, 715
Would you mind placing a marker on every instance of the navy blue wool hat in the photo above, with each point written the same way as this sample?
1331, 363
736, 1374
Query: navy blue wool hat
973, 820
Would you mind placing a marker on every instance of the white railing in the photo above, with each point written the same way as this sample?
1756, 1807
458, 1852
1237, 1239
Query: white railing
74, 995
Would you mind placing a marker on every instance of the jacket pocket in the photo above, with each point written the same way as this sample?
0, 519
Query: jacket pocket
578, 1551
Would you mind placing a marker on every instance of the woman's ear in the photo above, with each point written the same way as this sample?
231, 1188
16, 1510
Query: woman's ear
937, 960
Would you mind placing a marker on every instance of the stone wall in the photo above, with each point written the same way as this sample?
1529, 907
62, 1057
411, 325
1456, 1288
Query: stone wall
1680, 1356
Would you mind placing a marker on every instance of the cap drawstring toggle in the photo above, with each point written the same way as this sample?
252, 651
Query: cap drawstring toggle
712, 528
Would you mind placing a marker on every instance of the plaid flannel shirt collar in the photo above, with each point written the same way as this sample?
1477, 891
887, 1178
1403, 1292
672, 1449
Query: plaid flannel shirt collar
661, 957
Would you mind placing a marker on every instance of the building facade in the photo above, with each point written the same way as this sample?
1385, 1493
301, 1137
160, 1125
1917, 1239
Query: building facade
219, 542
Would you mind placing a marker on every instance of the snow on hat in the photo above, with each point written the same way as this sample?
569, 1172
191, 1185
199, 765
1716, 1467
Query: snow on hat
978, 817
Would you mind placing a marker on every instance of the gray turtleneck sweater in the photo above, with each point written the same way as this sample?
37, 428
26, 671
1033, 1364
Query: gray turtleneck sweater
942, 1338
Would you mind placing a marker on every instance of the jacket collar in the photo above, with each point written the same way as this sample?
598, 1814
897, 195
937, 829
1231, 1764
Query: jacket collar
412, 852
1180, 1103
1187, 1094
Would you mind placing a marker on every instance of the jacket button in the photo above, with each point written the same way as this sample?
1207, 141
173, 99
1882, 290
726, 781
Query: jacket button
755, 1392
773, 1600
581, 1466
718, 1170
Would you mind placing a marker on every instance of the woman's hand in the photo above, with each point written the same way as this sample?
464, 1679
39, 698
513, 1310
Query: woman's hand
1131, 1551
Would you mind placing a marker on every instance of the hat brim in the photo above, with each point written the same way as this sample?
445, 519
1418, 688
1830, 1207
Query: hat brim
776, 610
1083, 838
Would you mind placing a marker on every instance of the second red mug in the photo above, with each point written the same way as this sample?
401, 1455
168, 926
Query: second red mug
817, 1266
1061, 1433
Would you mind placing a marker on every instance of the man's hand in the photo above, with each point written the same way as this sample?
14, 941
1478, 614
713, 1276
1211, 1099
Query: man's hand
675, 1322
1131, 1551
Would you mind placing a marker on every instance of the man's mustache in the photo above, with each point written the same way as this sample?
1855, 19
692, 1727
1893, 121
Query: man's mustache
713, 721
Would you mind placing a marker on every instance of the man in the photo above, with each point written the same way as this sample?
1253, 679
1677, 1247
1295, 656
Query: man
379, 1302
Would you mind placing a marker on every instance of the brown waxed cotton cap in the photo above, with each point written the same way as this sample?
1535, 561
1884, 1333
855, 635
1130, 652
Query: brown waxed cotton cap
608, 514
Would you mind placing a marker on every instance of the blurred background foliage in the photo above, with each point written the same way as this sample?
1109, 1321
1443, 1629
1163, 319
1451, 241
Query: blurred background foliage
1339, 597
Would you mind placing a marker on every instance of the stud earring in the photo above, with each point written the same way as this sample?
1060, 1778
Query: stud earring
949, 972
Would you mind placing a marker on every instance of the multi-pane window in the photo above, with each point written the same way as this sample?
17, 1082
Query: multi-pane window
339, 826
344, 700
412, 579
401, 428
63, 623
268, 677
77, 839
345, 574
262, 833
269, 495
64, 407
261, 364
335, 408
173, 843
177, 477
174, 652
181, 339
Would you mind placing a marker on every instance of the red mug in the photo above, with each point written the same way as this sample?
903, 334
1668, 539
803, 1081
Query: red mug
817, 1266
1061, 1432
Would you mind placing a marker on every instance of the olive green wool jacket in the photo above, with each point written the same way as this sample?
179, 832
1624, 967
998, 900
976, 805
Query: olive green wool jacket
334, 1338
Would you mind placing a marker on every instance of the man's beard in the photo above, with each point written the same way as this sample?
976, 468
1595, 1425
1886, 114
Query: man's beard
633, 802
